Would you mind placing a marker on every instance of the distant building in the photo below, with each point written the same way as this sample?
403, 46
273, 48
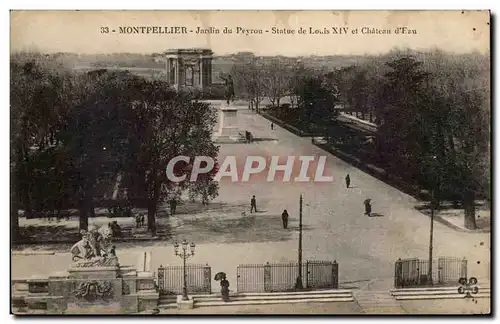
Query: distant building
188, 68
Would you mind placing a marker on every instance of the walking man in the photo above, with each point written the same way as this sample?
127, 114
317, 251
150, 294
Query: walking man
272, 126
284, 218
253, 204
368, 207
347, 181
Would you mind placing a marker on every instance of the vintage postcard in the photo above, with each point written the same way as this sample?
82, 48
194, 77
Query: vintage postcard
250, 162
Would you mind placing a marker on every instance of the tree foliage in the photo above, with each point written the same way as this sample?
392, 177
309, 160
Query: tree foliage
73, 135
433, 115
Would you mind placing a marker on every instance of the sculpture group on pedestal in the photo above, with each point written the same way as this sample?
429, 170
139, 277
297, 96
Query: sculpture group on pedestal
93, 248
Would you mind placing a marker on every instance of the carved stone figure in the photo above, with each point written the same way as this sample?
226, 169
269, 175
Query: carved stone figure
93, 244
92, 291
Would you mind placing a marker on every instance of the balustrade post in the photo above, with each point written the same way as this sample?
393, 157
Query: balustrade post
335, 270
207, 278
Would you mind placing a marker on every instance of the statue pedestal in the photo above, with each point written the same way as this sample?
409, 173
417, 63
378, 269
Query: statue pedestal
102, 268
228, 126
95, 286
94, 272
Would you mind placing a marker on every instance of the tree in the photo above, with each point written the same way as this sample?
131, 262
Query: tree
469, 152
169, 124
73, 134
360, 88
96, 135
404, 127
38, 104
436, 126
249, 81
277, 80
317, 103
462, 83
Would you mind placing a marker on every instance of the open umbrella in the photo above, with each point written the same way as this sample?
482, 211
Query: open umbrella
220, 276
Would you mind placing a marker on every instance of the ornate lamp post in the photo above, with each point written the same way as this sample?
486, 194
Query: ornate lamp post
184, 254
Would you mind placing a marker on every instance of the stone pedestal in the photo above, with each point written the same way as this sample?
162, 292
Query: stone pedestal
185, 304
95, 272
229, 131
97, 286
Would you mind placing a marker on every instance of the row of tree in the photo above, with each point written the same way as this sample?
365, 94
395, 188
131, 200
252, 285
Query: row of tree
432, 111
256, 79
73, 134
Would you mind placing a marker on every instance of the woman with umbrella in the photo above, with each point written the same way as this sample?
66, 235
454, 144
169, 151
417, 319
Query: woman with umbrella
224, 285
368, 207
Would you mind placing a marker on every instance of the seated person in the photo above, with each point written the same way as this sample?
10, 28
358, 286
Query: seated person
116, 229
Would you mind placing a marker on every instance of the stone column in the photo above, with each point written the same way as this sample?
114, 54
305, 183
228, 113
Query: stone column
209, 72
176, 72
201, 72
167, 67
179, 72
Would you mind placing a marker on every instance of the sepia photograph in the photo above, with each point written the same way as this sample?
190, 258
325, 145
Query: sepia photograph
176, 163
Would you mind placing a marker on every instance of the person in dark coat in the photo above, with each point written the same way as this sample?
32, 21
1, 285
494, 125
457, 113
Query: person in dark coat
224, 284
347, 181
173, 206
284, 218
116, 229
142, 220
253, 204
272, 126
368, 207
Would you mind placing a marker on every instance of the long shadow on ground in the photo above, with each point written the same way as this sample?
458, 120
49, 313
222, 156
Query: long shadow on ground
201, 229
197, 207
448, 210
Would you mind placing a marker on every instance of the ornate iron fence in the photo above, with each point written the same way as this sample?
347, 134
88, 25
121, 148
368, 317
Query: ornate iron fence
276, 277
414, 272
198, 279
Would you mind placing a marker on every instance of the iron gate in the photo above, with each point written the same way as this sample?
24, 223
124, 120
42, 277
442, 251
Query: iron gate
322, 274
275, 277
198, 279
414, 272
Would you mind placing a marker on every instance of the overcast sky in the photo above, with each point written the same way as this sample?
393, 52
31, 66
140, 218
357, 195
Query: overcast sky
80, 32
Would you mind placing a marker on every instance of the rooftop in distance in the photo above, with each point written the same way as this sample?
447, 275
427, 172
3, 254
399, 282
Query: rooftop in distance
205, 51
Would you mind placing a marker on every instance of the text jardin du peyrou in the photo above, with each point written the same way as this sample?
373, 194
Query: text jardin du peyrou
331, 30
